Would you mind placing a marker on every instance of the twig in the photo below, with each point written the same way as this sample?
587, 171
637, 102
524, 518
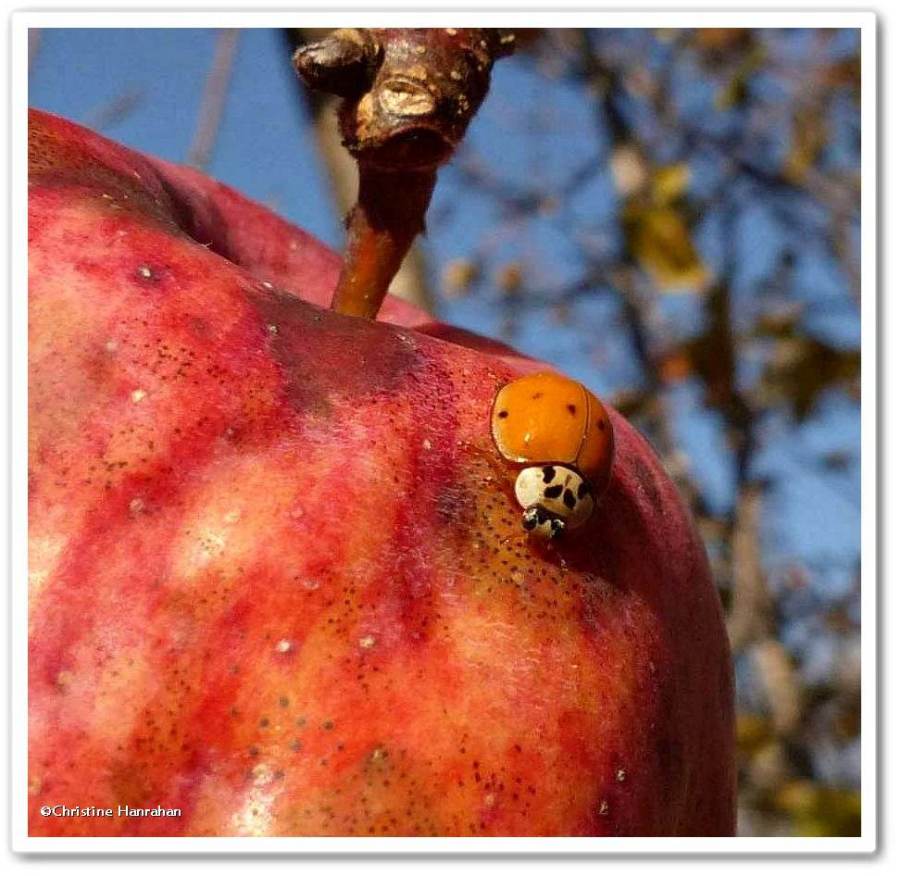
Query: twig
751, 614
34, 45
215, 93
116, 110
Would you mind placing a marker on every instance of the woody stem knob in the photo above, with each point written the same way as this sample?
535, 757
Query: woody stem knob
408, 97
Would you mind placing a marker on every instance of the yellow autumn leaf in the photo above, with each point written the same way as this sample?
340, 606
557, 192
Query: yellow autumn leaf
818, 810
509, 278
459, 276
752, 732
722, 39
734, 91
670, 182
660, 242
808, 139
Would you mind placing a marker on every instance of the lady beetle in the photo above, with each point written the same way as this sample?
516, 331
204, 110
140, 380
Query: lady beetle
562, 433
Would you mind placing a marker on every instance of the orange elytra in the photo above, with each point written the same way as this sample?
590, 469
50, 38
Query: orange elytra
547, 418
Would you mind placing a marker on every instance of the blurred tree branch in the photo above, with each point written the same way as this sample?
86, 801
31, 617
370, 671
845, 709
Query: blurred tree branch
116, 110
212, 104
34, 45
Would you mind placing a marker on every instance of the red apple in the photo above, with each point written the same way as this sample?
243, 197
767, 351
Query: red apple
278, 576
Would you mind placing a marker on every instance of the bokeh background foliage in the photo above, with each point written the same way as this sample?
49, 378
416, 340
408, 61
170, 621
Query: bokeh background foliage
672, 217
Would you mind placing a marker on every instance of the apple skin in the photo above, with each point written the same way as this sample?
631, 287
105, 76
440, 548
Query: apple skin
277, 574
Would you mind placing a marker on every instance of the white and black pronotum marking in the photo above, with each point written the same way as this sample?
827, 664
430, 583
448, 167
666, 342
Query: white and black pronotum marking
555, 498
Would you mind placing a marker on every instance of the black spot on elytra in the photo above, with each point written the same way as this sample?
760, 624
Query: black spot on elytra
537, 395
601, 425
549, 473
571, 409
503, 414
554, 492
569, 499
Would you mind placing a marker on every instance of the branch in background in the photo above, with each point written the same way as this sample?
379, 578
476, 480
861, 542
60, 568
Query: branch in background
409, 95
752, 622
525, 201
34, 45
751, 617
636, 306
116, 110
779, 680
212, 105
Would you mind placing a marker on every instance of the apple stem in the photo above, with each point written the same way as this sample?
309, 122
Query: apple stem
409, 95
381, 227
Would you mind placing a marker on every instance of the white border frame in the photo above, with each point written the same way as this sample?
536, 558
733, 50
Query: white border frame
655, 846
